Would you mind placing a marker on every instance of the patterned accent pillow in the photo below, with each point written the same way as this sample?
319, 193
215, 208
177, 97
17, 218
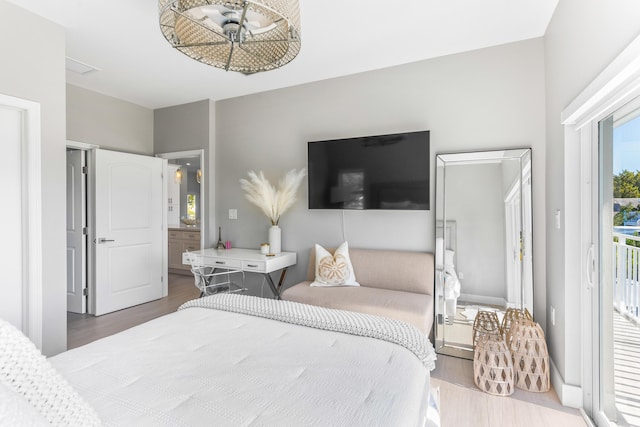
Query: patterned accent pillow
336, 269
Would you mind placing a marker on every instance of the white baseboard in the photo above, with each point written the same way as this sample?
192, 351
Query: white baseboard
482, 299
569, 395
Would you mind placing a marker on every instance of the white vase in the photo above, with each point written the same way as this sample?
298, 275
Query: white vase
274, 239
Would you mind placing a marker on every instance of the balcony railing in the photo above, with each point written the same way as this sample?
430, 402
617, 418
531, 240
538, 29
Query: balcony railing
626, 265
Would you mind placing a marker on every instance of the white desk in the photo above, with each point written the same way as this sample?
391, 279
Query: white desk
248, 260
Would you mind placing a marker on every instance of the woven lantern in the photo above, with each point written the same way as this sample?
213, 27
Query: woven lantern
493, 367
530, 356
486, 324
510, 316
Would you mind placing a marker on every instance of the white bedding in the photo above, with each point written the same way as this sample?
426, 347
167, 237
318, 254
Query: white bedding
201, 366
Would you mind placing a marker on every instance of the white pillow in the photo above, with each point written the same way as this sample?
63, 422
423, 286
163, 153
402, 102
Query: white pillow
336, 269
439, 254
448, 258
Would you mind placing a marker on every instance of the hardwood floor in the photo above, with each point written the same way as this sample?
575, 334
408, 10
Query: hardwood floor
461, 403
84, 328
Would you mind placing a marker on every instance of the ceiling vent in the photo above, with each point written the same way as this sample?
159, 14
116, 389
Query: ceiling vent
79, 67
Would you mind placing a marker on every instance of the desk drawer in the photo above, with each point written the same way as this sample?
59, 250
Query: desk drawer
259, 266
222, 262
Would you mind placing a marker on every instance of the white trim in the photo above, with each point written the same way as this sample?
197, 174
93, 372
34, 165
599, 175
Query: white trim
91, 224
569, 395
203, 186
181, 154
165, 228
619, 81
32, 203
586, 418
615, 87
81, 145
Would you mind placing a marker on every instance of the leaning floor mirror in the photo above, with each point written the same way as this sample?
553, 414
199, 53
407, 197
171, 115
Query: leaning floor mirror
483, 242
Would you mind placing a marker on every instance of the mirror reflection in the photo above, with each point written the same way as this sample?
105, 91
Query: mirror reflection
483, 241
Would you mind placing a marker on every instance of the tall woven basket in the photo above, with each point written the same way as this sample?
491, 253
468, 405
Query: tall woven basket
486, 325
493, 367
530, 356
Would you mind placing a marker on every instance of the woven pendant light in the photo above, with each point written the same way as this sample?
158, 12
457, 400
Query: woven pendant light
244, 36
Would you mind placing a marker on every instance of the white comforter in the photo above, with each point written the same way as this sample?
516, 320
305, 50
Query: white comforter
201, 366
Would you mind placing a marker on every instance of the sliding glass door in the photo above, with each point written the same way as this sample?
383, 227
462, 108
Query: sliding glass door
616, 342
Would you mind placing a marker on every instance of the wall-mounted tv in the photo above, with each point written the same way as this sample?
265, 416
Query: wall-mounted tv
371, 172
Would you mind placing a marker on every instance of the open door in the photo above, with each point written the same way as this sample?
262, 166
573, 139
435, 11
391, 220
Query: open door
76, 232
128, 230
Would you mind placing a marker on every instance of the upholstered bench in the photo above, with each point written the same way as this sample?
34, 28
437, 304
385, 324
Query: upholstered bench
393, 284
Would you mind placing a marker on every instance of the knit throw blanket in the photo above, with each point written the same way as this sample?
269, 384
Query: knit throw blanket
364, 325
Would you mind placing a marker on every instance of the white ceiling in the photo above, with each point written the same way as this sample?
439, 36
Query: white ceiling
339, 37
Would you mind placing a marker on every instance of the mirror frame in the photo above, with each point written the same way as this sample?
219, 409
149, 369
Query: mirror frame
446, 228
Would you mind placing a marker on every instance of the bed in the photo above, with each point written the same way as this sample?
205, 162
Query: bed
236, 360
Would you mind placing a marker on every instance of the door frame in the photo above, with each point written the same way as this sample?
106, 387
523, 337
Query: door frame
616, 86
513, 214
189, 154
31, 207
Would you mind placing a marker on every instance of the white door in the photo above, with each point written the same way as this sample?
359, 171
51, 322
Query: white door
76, 237
11, 303
128, 230
513, 240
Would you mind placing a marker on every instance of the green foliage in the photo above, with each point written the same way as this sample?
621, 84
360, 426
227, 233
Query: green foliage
626, 185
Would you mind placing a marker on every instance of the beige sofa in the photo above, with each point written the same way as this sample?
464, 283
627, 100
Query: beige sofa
394, 284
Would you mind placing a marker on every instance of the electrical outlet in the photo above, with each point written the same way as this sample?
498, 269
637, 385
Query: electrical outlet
553, 316
460, 275
233, 213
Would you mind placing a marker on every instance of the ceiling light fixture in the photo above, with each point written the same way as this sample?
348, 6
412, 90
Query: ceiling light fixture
246, 36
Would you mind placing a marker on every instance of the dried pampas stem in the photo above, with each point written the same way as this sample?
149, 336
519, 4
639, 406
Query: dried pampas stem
273, 203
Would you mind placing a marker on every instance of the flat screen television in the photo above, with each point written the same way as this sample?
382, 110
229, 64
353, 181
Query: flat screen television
371, 172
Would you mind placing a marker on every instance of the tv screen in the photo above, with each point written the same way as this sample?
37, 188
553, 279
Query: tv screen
372, 172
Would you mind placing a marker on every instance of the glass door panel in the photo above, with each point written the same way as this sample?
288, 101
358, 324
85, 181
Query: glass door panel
618, 341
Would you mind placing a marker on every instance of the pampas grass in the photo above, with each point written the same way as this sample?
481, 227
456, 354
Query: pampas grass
273, 203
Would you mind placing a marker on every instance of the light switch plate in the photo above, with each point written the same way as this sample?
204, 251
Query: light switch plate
233, 214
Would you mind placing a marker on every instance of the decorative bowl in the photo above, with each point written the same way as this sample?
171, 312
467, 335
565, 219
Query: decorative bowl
186, 221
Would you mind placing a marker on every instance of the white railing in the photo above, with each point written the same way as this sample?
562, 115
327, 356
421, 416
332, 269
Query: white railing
626, 273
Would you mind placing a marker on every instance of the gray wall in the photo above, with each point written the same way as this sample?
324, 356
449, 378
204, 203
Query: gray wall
485, 99
111, 123
475, 201
581, 40
33, 68
190, 127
